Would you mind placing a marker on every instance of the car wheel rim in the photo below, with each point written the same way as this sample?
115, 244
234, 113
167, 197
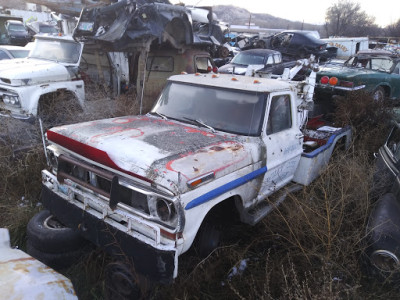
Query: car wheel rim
385, 261
52, 223
378, 95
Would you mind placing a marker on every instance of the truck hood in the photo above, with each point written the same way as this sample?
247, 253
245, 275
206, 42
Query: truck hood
30, 71
155, 149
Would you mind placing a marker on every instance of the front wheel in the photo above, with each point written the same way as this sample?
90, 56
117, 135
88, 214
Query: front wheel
120, 282
379, 94
208, 239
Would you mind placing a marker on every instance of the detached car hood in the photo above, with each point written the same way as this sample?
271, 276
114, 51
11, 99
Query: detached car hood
155, 149
30, 71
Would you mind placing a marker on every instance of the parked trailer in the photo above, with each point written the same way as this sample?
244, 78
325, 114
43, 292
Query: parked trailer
347, 46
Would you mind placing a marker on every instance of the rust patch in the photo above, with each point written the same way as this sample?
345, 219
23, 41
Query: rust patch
195, 169
16, 260
236, 147
217, 148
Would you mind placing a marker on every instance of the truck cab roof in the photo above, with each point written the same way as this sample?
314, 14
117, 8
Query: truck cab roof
246, 83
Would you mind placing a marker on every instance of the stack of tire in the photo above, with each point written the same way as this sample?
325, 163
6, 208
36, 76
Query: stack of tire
53, 243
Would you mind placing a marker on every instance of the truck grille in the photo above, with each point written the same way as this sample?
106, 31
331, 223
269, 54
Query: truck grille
101, 182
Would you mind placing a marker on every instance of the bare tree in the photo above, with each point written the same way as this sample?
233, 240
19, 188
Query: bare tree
393, 30
345, 18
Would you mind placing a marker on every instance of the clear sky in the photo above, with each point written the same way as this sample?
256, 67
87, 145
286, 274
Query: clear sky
310, 11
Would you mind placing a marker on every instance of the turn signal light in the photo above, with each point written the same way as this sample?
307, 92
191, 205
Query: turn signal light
333, 81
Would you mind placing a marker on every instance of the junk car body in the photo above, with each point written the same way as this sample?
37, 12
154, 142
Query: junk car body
127, 24
382, 254
298, 44
374, 71
265, 60
15, 33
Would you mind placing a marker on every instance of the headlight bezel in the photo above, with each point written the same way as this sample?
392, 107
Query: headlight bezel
11, 99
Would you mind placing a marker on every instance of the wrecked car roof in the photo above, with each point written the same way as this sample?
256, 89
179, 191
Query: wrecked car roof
128, 24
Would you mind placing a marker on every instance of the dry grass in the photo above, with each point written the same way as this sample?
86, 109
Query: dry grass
369, 119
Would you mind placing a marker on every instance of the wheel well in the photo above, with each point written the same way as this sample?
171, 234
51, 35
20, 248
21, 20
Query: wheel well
386, 89
61, 104
224, 211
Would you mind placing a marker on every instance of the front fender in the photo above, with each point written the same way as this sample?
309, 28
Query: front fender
30, 96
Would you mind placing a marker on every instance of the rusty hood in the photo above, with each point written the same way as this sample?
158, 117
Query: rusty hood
155, 149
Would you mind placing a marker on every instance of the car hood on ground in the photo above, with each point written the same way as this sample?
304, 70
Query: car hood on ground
29, 71
156, 149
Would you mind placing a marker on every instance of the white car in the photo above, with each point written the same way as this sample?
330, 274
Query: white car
10, 52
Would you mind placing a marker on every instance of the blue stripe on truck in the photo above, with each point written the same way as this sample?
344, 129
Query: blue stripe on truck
225, 188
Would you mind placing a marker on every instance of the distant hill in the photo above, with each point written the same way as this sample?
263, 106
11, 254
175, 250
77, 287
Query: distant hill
240, 16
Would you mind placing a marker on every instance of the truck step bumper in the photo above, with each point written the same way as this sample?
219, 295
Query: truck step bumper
157, 265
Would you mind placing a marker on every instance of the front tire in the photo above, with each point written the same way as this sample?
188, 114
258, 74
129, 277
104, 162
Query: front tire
120, 282
379, 94
208, 239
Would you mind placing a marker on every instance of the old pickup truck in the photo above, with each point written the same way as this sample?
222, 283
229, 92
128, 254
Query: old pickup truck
213, 147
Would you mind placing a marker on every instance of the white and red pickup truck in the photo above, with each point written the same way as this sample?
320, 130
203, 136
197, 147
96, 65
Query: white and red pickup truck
214, 146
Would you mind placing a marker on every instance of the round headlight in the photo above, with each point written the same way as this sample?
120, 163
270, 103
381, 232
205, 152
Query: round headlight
6, 99
165, 210
13, 100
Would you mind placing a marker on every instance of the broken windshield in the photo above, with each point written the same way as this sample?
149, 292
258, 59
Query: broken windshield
57, 50
230, 110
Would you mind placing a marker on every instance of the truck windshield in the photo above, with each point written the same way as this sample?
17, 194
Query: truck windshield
232, 111
56, 50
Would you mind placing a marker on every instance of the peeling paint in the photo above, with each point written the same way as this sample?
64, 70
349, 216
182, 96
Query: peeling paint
23, 277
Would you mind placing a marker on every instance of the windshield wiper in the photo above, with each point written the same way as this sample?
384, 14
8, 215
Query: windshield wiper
159, 114
200, 122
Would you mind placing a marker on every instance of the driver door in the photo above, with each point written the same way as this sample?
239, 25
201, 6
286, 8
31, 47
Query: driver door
283, 141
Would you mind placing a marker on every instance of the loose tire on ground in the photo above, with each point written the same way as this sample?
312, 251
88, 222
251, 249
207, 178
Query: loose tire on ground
56, 261
45, 233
